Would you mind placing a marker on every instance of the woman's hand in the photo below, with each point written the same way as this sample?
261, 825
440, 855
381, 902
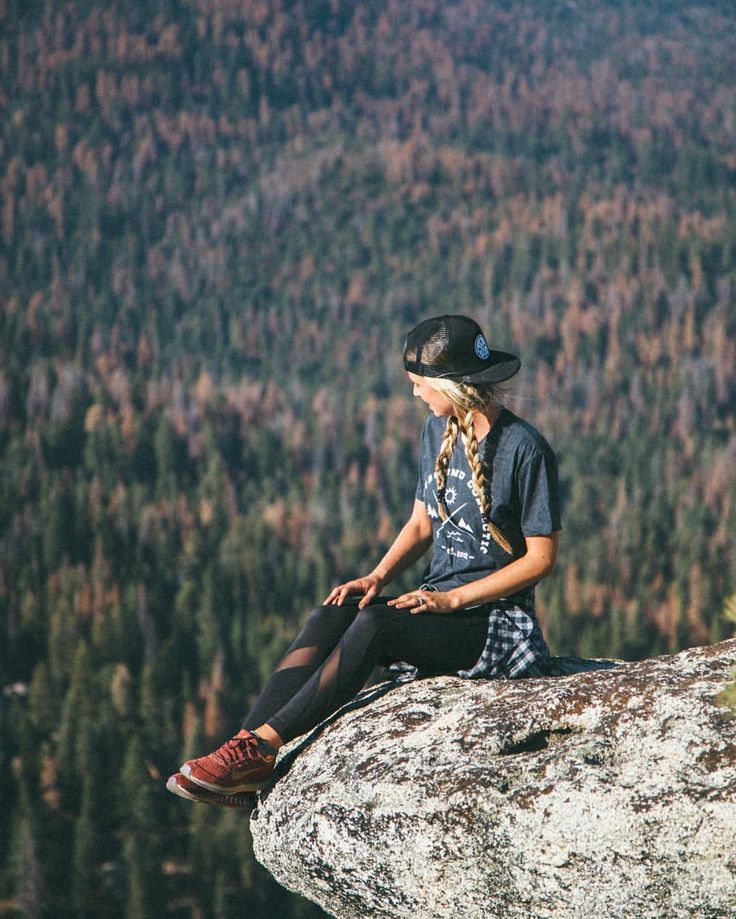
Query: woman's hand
426, 601
370, 586
411, 543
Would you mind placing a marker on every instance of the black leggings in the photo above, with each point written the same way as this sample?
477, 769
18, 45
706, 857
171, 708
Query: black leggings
337, 648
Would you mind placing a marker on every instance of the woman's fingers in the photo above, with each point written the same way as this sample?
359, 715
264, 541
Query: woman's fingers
368, 596
341, 592
331, 596
423, 601
338, 594
415, 601
346, 590
334, 595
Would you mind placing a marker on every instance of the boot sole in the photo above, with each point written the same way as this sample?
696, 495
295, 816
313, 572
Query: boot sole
175, 788
185, 769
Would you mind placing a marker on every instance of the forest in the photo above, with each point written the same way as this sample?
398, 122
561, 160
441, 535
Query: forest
218, 220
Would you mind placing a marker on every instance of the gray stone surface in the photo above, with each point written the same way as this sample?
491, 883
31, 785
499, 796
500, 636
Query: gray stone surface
604, 794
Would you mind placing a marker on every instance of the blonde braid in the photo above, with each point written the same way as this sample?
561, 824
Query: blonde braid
443, 461
472, 454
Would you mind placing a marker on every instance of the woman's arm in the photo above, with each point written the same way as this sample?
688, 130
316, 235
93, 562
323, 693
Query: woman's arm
538, 562
414, 538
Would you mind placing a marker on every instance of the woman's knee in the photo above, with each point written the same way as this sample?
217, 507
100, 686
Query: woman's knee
376, 622
328, 620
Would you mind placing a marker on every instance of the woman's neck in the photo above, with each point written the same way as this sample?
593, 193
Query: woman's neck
484, 421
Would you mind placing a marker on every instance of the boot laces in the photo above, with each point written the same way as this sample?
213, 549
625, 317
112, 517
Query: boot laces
237, 750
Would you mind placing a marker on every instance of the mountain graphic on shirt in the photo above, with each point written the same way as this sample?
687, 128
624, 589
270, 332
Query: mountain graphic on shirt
464, 526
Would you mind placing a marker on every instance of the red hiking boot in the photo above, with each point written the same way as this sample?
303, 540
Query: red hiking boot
180, 785
240, 764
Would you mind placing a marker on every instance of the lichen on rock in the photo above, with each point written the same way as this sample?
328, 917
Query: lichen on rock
602, 794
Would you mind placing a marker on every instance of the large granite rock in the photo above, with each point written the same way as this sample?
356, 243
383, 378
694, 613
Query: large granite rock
604, 794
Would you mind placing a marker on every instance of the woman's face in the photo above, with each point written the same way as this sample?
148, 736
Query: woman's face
437, 401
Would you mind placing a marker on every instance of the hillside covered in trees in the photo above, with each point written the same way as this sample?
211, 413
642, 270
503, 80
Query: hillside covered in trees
218, 219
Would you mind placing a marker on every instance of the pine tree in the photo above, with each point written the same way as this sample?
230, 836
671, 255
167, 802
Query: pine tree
27, 848
142, 850
42, 702
728, 696
75, 726
85, 875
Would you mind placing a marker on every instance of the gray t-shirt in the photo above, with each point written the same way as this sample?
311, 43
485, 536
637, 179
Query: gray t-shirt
521, 469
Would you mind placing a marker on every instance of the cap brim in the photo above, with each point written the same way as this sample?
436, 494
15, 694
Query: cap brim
500, 366
503, 366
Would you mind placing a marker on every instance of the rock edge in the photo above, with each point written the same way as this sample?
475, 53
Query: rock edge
603, 794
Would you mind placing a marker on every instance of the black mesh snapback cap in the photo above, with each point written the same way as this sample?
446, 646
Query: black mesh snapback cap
455, 348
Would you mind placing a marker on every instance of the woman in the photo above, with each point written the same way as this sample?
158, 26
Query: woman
487, 502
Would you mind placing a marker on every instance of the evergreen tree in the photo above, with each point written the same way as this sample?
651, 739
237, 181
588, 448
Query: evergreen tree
142, 836
85, 862
27, 847
73, 744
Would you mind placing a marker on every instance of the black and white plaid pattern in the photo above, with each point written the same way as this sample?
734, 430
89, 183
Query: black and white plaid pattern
514, 642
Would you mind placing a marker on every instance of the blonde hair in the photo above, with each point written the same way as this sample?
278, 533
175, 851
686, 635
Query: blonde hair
467, 399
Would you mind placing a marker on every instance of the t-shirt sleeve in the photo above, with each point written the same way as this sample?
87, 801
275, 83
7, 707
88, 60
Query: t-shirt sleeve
539, 495
423, 447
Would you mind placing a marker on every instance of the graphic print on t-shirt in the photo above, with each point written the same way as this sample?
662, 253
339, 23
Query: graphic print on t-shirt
520, 471
463, 533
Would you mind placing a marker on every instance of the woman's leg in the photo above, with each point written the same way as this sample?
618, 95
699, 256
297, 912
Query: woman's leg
244, 763
380, 634
376, 634
322, 630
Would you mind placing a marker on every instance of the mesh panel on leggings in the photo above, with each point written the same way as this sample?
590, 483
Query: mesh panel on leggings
300, 657
321, 694
296, 698
316, 640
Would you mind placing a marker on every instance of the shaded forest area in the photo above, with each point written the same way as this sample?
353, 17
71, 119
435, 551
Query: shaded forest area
218, 219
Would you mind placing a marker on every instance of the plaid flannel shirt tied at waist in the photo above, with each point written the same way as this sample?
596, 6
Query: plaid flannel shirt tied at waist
514, 642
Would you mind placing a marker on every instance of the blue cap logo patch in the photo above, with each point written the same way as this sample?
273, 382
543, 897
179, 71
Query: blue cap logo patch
481, 348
